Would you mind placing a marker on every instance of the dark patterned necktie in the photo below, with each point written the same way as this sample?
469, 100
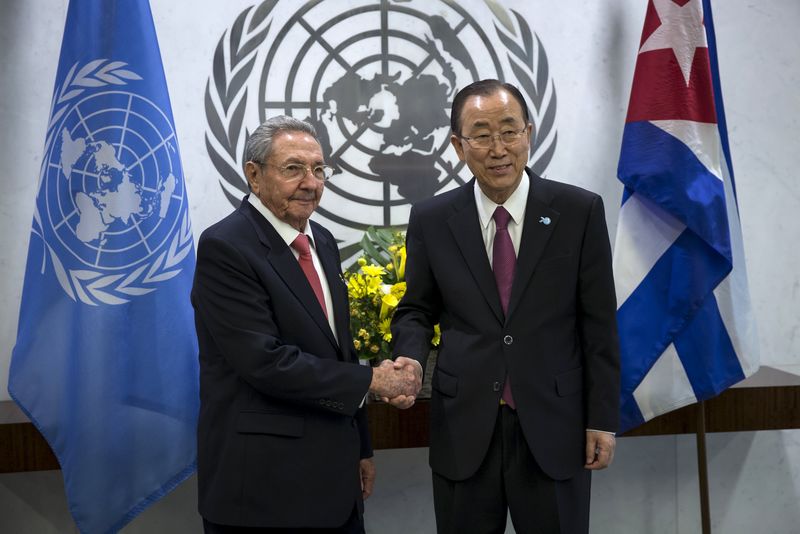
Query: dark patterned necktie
504, 262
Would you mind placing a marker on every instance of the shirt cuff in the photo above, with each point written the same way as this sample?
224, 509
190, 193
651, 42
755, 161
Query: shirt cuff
601, 431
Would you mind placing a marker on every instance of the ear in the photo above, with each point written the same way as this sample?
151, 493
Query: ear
251, 175
456, 142
529, 127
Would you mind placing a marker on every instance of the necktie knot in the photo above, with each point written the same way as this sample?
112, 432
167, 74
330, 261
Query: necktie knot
300, 244
501, 218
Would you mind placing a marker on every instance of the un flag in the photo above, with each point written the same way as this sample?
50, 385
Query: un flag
105, 363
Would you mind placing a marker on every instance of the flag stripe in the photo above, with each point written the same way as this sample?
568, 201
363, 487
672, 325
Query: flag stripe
639, 251
663, 169
666, 387
663, 303
707, 353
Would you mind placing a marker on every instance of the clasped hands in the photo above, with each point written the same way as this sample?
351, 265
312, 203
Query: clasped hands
397, 382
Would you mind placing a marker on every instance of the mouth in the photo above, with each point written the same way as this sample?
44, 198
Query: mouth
500, 169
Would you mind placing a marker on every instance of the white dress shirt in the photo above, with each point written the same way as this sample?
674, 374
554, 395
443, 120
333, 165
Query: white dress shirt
515, 205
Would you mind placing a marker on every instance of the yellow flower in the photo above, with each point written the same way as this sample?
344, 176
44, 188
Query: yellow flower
374, 349
363, 333
398, 289
362, 261
385, 328
373, 285
401, 270
390, 266
357, 344
388, 303
372, 270
437, 336
356, 286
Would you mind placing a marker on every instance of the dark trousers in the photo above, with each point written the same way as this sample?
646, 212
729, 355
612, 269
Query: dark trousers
354, 525
509, 479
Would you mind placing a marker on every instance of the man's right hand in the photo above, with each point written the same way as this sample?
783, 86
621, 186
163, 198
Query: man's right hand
402, 402
389, 381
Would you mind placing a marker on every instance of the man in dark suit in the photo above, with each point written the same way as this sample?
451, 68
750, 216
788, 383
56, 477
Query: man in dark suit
516, 269
283, 444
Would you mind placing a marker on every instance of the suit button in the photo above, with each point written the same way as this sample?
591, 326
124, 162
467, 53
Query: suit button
496, 386
508, 340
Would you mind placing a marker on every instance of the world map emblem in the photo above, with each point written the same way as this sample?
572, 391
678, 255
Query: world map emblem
112, 208
377, 80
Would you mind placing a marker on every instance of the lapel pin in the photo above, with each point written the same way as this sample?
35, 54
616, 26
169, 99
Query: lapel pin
544, 220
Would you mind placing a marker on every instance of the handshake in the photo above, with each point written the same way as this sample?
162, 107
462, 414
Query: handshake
397, 382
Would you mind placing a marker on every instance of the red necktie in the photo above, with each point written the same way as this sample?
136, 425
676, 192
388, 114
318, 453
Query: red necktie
504, 261
300, 244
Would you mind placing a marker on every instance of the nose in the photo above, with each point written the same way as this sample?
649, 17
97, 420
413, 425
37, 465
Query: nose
497, 146
308, 181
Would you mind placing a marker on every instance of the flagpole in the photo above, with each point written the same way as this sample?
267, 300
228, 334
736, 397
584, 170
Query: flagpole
702, 468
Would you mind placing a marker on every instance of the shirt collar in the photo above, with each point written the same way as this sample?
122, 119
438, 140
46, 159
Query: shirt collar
287, 232
515, 204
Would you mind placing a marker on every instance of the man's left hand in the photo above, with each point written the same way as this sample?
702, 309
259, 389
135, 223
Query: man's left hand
599, 449
367, 468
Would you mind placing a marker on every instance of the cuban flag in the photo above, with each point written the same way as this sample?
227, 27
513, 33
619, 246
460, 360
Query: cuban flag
105, 363
685, 321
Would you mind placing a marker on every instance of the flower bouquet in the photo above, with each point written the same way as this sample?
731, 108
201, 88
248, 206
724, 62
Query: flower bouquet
375, 285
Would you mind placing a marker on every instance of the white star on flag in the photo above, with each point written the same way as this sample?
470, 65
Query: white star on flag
681, 30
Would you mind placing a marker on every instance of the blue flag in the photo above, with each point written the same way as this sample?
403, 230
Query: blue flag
105, 363
685, 321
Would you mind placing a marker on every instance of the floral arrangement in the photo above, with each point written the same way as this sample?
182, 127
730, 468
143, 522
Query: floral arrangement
375, 285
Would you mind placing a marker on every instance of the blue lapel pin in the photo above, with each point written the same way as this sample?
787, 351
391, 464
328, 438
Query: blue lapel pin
544, 220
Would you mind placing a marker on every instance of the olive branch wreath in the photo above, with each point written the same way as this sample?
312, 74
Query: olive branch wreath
527, 57
226, 99
92, 287
234, 59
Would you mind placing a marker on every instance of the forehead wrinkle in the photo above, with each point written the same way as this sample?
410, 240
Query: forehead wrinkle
482, 123
297, 159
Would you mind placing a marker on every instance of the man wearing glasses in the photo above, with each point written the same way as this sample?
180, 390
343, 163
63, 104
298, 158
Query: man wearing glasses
516, 270
283, 444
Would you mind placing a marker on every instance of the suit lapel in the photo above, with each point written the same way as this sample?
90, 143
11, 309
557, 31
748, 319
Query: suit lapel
328, 254
286, 265
466, 231
540, 222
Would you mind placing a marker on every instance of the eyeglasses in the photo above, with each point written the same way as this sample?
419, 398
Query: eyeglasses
507, 138
294, 172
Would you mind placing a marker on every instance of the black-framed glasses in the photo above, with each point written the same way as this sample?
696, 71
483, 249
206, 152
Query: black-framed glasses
507, 138
294, 172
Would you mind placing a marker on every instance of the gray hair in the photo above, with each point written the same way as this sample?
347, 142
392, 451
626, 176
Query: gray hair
259, 145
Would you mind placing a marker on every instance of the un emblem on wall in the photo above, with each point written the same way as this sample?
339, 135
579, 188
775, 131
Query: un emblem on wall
113, 215
377, 80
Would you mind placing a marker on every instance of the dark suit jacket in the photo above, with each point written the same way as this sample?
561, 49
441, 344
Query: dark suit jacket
558, 343
280, 433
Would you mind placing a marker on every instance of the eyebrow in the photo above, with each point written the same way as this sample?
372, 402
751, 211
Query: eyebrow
294, 159
484, 124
